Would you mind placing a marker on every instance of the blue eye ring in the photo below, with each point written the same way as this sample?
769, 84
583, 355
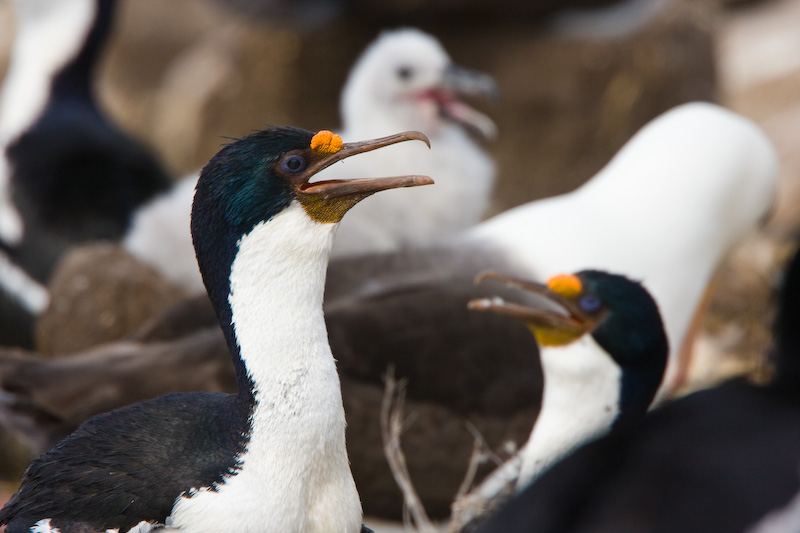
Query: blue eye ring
293, 164
589, 303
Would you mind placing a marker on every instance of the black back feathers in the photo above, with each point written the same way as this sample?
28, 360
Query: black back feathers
126, 466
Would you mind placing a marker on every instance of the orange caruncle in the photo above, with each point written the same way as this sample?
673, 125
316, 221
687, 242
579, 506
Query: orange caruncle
326, 142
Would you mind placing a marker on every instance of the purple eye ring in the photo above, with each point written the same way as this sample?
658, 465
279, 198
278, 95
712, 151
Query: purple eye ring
293, 164
589, 303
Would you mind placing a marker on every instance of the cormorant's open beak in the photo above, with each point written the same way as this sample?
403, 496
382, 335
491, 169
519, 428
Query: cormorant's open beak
329, 200
550, 327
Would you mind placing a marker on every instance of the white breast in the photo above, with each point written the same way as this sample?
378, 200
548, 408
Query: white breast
295, 475
580, 402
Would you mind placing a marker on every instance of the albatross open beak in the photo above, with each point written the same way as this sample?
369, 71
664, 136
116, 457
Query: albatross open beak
458, 81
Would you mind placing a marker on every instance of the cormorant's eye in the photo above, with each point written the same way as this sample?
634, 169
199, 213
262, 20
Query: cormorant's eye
405, 73
293, 163
589, 303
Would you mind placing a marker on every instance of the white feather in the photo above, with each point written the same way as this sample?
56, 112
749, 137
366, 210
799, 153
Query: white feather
11, 226
295, 474
783, 520
17, 284
374, 104
49, 33
43, 526
141, 527
580, 402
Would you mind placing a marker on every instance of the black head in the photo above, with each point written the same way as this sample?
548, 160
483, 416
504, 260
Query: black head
631, 330
619, 313
242, 185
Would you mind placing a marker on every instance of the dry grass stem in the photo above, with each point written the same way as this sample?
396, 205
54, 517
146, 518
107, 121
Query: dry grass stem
392, 427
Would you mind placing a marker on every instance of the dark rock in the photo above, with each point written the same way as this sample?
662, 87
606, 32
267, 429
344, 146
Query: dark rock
100, 293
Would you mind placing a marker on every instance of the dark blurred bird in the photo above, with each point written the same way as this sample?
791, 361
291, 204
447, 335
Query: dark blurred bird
67, 174
404, 80
271, 457
723, 459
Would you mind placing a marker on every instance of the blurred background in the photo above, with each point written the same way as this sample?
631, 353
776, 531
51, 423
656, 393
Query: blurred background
578, 78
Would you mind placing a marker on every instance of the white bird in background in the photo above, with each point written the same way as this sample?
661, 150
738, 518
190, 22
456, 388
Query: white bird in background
404, 80
159, 235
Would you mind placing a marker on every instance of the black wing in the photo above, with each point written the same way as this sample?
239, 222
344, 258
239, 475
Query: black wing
130, 465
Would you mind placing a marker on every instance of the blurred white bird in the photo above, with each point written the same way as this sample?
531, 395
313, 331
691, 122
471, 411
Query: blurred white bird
406, 81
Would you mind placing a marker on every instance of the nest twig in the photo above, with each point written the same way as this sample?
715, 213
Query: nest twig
473, 506
392, 426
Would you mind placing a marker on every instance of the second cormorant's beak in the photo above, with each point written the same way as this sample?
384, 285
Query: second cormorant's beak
329, 200
550, 327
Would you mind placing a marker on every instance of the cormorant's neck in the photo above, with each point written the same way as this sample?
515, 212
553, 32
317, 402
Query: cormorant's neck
270, 302
580, 401
55, 49
267, 288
